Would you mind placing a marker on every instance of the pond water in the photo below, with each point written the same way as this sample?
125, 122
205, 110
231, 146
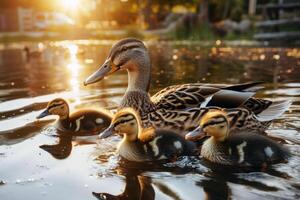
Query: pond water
37, 162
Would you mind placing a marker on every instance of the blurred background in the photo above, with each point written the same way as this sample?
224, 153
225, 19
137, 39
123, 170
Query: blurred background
150, 19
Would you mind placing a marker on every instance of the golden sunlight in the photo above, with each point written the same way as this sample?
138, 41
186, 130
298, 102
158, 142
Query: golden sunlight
70, 4
74, 67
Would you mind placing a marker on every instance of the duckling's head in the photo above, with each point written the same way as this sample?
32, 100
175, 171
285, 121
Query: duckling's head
129, 53
58, 107
214, 123
125, 122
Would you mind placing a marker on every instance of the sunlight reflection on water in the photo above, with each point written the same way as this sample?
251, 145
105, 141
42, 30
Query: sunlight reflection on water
94, 167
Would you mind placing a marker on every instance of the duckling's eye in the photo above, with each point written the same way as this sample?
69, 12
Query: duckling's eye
222, 126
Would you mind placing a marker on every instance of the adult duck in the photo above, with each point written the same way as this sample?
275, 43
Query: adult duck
132, 55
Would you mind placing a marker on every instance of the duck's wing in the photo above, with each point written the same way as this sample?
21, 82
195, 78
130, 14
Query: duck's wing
180, 97
243, 87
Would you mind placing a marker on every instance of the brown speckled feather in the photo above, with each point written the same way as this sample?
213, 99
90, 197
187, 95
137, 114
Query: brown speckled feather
183, 121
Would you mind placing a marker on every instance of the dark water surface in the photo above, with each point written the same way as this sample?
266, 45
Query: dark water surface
37, 162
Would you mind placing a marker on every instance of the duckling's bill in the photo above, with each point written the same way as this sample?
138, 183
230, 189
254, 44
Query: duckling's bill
107, 132
43, 114
195, 135
108, 67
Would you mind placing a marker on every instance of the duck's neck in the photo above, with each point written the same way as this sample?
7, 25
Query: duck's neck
64, 117
139, 77
136, 95
64, 121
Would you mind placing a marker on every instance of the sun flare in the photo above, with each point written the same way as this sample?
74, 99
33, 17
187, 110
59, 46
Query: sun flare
70, 4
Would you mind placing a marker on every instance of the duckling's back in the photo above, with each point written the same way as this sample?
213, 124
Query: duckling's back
251, 149
86, 120
168, 145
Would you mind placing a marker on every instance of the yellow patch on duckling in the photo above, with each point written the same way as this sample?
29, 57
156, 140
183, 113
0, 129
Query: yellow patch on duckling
230, 151
268, 151
241, 151
78, 123
177, 145
99, 121
154, 146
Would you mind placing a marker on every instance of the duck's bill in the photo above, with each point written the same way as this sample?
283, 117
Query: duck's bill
195, 135
107, 132
107, 68
43, 114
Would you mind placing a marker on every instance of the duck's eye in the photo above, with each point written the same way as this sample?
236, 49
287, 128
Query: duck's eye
124, 49
221, 127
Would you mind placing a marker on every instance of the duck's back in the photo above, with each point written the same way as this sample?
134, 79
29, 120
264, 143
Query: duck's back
197, 94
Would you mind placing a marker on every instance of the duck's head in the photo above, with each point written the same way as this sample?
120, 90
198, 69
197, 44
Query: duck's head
130, 54
58, 107
125, 122
213, 123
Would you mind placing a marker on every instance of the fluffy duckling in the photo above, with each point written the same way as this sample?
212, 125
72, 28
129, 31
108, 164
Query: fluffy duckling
140, 144
238, 149
82, 122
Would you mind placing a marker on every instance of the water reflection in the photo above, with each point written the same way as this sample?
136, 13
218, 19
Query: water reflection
62, 149
65, 164
74, 68
137, 187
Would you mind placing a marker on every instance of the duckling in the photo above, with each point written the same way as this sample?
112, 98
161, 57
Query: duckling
148, 144
132, 55
82, 122
245, 149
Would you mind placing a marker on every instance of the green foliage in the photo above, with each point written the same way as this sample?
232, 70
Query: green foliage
240, 36
220, 10
198, 32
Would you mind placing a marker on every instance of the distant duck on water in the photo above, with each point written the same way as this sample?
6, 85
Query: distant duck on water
245, 149
32, 54
83, 121
140, 145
